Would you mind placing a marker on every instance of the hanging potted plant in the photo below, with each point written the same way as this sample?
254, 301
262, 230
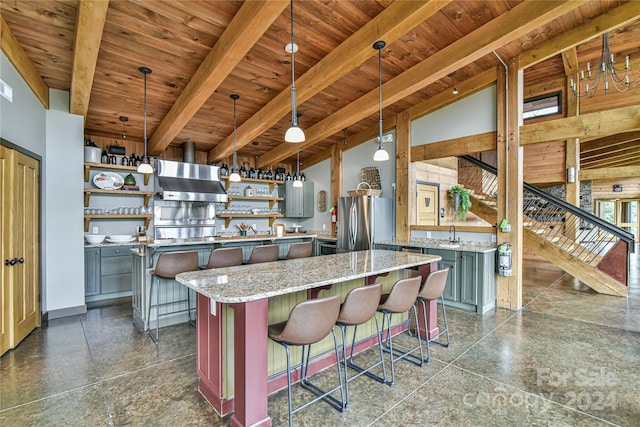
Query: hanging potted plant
461, 201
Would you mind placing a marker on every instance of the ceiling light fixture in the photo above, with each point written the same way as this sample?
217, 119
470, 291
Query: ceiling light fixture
381, 154
453, 82
235, 176
124, 121
606, 71
294, 133
144, 166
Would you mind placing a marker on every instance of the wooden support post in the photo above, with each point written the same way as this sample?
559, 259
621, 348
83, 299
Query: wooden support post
510, 171
403, 162
572, 150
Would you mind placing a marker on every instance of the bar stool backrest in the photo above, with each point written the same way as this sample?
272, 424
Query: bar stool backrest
360, 304
172, 263
263, 253
225, 257
310, 321
300, 250
402, 296
434, 285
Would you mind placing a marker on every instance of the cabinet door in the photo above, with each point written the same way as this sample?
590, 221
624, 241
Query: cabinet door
468, 272
91, 271
451, 289
115, 268
293, 200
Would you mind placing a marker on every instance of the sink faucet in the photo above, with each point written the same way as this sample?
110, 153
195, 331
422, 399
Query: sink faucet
452, 228
255, 232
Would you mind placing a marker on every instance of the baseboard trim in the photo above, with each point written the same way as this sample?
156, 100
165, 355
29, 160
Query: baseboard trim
65, 312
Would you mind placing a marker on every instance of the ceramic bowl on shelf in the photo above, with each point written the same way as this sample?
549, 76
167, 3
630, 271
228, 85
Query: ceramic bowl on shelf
94, 239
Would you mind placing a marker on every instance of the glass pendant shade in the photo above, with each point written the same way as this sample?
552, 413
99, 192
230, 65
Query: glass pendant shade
380, 155
294, 134
145, 168
234, 177
297, 184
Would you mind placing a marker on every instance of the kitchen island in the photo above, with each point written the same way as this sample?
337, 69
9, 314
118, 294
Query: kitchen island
236, 304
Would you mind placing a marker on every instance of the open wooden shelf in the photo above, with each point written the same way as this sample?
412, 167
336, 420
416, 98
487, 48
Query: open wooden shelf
89, 191
89, 165
229, 217
89, 217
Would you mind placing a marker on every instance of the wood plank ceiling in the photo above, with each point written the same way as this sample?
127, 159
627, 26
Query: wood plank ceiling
200, 52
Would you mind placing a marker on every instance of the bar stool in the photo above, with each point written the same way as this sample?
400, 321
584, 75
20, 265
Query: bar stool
300, 250
310, 322
263, 253
168, 266
225, 257
359, 307
401, 299
432, 289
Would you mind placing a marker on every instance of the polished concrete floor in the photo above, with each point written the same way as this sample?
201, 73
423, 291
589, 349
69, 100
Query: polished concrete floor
570, 357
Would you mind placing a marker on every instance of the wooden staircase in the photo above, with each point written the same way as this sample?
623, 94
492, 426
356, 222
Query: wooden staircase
584, 265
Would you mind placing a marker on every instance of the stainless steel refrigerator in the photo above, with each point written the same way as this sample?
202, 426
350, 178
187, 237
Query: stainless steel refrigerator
363, 221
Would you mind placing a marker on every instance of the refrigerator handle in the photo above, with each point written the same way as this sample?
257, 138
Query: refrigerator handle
353, 226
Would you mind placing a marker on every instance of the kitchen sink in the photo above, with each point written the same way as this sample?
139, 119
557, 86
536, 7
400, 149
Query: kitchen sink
449, 245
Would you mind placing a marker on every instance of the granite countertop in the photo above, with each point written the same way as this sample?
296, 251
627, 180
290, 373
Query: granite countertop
258, 281
210, 240
106, 244
467, 246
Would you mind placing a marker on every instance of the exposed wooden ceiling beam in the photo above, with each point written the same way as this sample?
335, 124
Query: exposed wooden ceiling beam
508, 27
244, 30
599, 124
609, 173
617, 17
393, 22
89, 26
570, 62
25, 67
455, 147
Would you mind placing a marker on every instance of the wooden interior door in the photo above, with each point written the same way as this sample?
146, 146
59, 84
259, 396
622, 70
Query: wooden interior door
20, 257
428, 204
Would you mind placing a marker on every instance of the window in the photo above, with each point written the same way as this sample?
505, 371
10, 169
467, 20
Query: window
540, 106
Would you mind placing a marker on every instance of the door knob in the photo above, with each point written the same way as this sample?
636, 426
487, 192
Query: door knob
21, 260
6, 262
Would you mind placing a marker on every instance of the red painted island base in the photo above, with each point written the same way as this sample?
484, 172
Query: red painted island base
251, 384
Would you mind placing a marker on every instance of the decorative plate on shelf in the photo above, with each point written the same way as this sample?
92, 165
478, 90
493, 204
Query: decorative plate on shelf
108, 181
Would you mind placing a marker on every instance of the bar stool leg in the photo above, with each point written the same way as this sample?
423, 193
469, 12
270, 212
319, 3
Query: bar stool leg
155, 338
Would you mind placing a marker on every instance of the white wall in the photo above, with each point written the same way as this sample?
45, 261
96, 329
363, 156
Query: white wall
469, 116
57, 137
64, 250
320, 175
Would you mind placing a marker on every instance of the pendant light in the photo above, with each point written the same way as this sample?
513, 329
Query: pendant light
381, 154
235, 176
124, 121
453, 82
144, 166
294, 133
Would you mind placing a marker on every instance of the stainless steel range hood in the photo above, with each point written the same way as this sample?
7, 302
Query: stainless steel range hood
190, 182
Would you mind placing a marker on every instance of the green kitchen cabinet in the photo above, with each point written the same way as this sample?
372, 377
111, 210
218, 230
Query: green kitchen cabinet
449, 260
298, 201
107, 272
91, 271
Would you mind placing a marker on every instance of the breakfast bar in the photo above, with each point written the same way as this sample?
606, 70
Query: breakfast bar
246, 291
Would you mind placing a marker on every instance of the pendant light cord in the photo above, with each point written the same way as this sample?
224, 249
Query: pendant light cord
380, 91
294, 116
235, 162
